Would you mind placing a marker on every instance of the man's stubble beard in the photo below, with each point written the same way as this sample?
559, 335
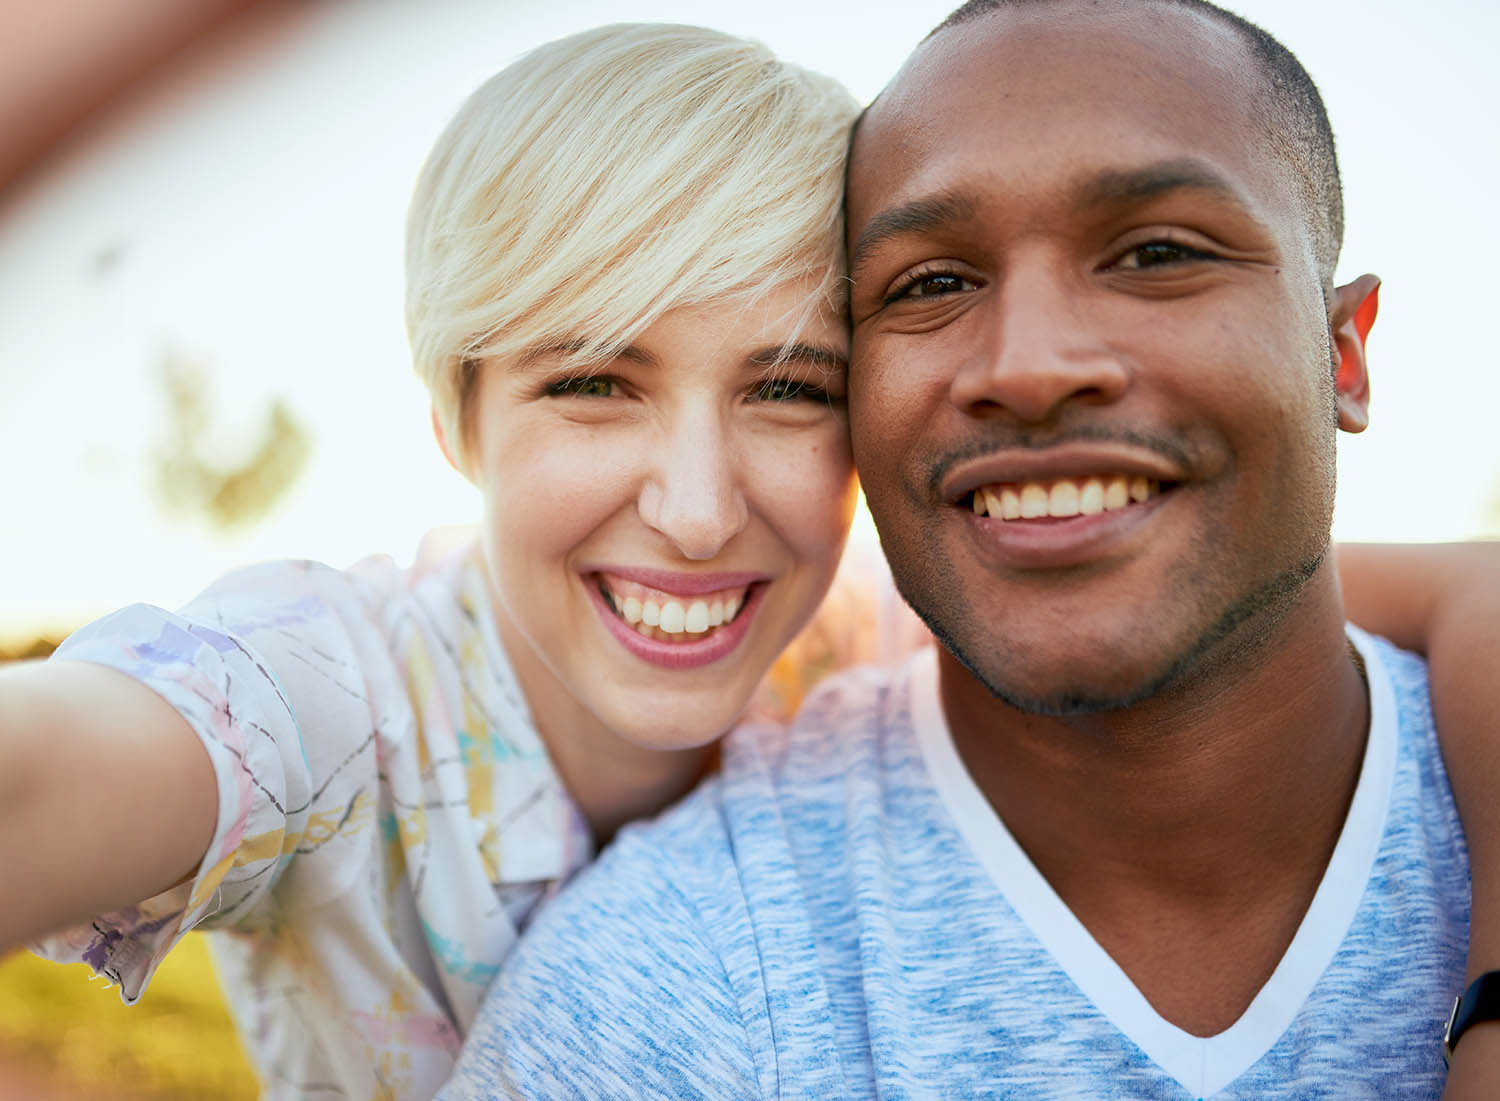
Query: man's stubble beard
1236, 636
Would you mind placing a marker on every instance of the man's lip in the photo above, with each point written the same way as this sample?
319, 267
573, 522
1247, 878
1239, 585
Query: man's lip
1015, 465
677, 582
1051, 544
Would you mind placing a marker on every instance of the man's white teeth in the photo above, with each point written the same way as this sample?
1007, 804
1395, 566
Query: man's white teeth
667, 619
1091, 498
1064, 497
1116, 494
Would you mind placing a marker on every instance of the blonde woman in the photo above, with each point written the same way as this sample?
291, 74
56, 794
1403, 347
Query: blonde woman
624, 296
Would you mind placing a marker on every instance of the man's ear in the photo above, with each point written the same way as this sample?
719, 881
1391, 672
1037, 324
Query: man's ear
442, 441
1351, 317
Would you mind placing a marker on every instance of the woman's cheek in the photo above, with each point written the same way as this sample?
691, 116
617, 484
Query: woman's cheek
811, 482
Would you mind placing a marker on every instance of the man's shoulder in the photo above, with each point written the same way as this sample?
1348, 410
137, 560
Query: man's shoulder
848, 721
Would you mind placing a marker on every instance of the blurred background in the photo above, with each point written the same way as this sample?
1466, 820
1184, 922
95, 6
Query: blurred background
202, 360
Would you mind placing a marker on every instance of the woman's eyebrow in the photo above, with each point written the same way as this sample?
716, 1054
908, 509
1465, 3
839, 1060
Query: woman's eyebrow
915, 216
817, 354
631, 352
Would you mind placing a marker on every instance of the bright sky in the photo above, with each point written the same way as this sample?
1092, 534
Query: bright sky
248, 217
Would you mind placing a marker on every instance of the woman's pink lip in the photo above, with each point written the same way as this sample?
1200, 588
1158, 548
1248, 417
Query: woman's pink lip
679, 583
681, 655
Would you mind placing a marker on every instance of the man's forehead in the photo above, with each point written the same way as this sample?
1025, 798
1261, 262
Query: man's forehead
1169, 30
1026, 66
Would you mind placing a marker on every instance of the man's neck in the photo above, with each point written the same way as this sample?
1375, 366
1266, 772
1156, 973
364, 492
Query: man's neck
1189, 833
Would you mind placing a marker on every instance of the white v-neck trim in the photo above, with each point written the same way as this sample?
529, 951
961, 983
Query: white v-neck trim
1202, 1065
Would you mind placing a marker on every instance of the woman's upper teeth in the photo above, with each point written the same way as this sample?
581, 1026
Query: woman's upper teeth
640, 606
1063, 497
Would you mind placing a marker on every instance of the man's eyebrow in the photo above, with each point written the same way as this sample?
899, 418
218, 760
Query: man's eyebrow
917, 216
1110, 187
1115, 187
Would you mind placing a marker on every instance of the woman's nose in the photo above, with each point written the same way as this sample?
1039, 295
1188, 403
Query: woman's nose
692, 494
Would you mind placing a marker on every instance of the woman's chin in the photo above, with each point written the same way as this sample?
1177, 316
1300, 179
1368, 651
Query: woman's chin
688, 727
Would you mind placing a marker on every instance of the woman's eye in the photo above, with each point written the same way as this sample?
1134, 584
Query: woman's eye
787, 389
1156, 254
582, 386
932, 285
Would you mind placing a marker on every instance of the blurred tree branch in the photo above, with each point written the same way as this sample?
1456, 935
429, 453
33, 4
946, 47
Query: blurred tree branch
233, 495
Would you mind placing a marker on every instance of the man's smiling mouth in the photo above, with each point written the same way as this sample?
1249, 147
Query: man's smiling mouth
1060, 498
667, 617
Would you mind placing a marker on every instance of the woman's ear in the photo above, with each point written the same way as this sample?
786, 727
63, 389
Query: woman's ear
1351, 316
442, 441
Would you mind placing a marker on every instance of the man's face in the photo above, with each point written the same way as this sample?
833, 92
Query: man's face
1091, 398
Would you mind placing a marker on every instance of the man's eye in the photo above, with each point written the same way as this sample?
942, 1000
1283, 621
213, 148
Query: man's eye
932, 285
787, 389
582, 386
1156, 254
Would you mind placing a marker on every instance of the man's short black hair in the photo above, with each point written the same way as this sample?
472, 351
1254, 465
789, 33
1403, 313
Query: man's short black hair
1295, 119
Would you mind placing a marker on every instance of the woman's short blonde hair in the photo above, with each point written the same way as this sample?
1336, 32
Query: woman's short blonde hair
608, 177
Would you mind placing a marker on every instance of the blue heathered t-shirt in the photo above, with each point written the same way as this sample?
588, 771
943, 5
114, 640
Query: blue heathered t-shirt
841, 914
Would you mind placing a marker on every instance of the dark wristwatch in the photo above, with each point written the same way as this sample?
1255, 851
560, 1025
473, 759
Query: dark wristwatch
1479, 1003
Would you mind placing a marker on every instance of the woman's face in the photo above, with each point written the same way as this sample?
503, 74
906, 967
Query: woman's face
660, 526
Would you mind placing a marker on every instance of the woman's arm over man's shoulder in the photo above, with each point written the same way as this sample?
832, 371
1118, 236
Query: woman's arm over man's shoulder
1444, 601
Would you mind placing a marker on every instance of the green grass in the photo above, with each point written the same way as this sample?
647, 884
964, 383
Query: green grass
177, 1042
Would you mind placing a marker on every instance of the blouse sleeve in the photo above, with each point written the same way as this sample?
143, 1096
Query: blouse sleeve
263, 668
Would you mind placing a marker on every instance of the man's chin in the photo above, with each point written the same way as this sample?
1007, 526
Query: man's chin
1084, 675
1070, 695
1073, 700
1067, 682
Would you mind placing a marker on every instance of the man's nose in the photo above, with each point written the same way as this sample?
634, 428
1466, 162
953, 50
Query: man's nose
692, 492
1038, 351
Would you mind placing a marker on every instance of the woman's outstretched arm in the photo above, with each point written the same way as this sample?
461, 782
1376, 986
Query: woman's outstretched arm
93, 765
